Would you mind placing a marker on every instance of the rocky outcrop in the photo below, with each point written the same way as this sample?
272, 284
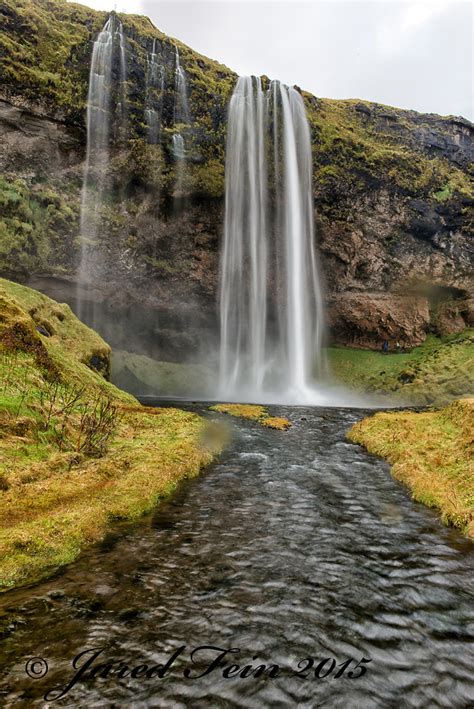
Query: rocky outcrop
371, 318
392, 195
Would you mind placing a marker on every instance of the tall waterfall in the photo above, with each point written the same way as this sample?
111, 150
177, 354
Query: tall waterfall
271, 306
155, 84
99, 134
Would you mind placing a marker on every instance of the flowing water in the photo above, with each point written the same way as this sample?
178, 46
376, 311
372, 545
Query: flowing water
155, 85
100, 129
181, 120
122, 107
293, 546
271, 306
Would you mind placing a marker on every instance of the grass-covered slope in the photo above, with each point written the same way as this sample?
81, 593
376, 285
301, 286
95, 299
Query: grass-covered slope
75, 451
47, 47
432, 453
437, 372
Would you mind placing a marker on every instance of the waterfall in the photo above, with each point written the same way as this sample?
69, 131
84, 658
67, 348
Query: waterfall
99, 133
271, 308
155, 84
181, 118
181, 104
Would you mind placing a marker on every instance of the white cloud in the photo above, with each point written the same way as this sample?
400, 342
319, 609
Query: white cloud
130, 6
404, 20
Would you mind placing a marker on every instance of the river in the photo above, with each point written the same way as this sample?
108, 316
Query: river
299, 550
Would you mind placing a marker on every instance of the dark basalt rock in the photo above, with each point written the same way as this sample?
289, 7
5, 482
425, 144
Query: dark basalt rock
101, 365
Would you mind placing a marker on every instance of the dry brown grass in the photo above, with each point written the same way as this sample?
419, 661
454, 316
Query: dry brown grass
432, 453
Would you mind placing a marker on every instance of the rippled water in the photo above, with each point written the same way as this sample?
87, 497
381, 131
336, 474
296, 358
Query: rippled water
293, 545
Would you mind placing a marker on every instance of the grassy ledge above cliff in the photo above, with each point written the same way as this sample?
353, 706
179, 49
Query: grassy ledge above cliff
431, 452
75, 451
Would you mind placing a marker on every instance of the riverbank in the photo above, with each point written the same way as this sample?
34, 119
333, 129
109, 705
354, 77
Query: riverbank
431, 452
76, 453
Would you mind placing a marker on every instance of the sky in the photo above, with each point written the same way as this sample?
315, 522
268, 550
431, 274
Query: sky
408, 54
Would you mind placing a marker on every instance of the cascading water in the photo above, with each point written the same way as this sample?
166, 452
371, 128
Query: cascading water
123, 127
271, 306
155, 85
99, 133
181, 103
181, 119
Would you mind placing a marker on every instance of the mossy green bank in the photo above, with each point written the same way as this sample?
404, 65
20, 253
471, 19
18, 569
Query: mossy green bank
76, 453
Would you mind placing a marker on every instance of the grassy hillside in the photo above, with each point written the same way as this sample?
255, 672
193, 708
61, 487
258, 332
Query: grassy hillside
432, 453
435, 373
75, 451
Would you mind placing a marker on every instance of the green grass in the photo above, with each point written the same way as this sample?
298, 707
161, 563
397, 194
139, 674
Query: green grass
59, 486
432, 453
31, 215
437, 372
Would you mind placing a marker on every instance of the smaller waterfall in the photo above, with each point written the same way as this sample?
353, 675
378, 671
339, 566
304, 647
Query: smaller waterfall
122, 110
99, 134
181, 103
181, 119
155, 84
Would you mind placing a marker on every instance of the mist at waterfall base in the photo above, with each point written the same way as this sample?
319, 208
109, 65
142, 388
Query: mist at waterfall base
270, 326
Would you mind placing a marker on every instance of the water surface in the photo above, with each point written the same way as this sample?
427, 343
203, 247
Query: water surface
292, 545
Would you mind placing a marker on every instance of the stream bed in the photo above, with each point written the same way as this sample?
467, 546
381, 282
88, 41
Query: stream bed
304, 567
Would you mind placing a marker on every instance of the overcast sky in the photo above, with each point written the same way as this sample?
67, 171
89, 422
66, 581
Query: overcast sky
408, 54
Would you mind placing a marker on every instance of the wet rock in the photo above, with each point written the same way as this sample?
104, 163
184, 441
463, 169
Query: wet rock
129, 614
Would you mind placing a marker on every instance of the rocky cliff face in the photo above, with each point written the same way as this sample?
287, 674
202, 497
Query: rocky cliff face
392, 194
